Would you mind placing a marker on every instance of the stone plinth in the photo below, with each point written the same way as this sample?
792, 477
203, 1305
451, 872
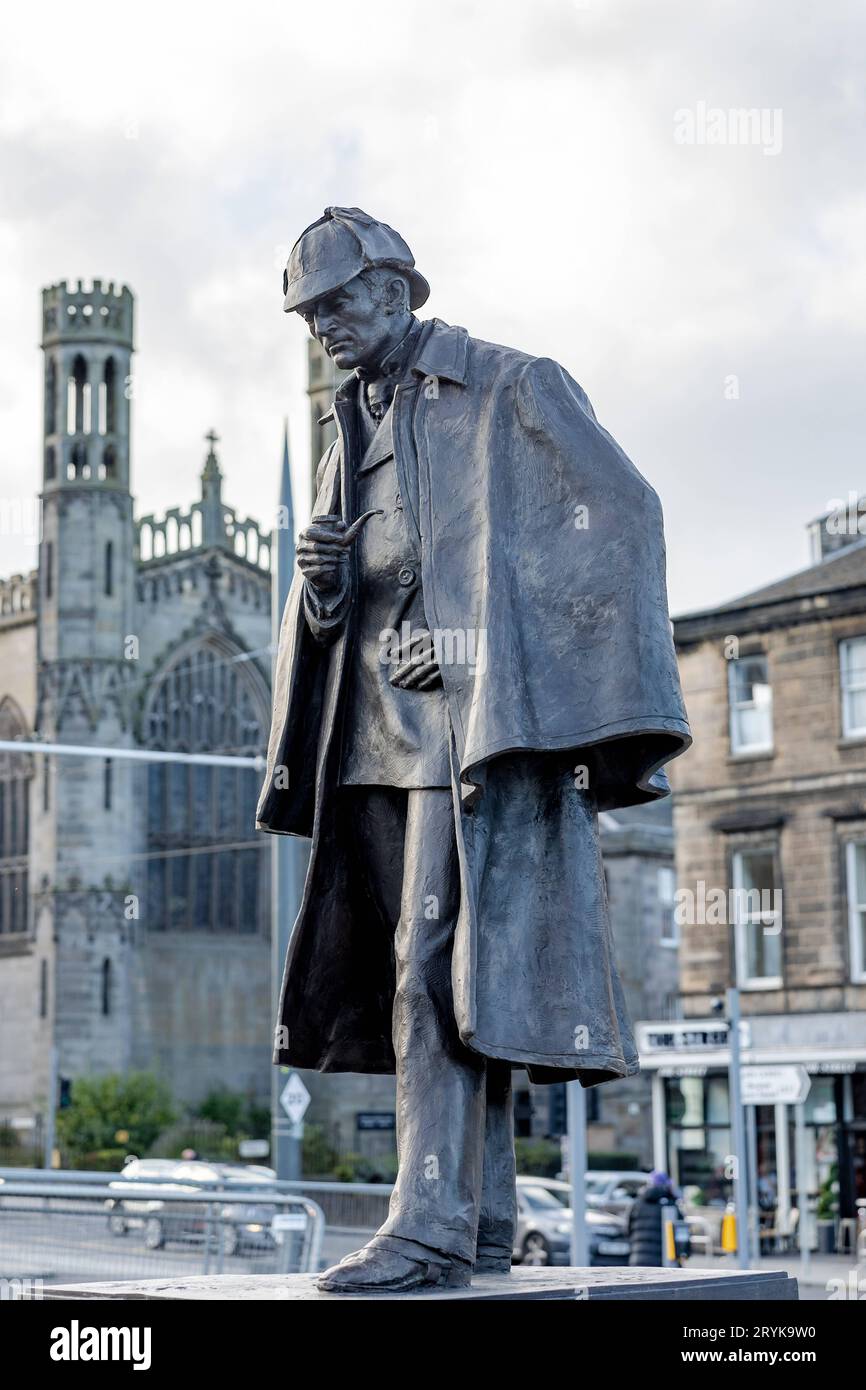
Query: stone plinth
569, 1284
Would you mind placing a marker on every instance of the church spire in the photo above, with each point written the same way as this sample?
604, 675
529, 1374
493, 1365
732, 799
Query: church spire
283, 552
287, 508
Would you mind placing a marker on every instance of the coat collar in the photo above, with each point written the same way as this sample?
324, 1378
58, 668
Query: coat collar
443, 351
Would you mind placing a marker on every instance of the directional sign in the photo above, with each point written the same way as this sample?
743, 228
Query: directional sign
774, 1085
294, 1098
289, 1221
253, 1148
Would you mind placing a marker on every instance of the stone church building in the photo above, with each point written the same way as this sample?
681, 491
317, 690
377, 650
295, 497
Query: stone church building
134, 912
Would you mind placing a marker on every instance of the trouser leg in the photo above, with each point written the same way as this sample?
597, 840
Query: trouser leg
441, 1084
497, 1219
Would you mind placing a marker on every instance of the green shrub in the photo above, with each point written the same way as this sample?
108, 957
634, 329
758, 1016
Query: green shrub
542, 1158
208, 1140
102, 1106
611, 1160
100, 1160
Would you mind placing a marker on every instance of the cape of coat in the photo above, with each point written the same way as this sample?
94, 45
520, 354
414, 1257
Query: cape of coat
543, 574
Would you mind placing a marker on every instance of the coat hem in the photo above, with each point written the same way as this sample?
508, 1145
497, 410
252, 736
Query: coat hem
567, 1061
602, 733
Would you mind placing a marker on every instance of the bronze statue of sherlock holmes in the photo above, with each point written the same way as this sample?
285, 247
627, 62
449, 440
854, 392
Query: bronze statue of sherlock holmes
475, 658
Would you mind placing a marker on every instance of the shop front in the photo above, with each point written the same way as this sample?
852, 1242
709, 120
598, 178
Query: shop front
689, 1062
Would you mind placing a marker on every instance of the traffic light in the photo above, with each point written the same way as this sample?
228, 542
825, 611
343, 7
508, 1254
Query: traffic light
65, 1097
557, 1118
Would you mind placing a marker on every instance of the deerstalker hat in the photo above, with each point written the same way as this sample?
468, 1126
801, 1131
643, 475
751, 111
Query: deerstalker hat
337, 247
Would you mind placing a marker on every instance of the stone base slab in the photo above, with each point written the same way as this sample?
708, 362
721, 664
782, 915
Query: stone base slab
570, 1284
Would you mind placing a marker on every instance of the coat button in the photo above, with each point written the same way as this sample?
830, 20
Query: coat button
406, 576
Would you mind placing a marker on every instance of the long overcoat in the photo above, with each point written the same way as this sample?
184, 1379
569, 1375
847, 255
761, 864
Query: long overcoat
543, 573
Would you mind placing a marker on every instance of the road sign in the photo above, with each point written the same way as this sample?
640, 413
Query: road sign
294, 1098
289, 1221
253, 1148
775, 1085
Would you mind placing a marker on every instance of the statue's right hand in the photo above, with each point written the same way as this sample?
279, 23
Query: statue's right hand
322, 554
323, 550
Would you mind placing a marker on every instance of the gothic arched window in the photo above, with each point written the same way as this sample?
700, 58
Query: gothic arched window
48, 561
78, 466
105, 991
50, 397
78, 398
109, 385
207, 869
16, 770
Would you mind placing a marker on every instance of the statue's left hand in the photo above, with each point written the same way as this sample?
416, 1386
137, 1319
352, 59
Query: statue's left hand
416, 668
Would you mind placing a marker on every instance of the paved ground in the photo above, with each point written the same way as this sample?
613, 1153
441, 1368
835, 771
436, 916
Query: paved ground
88, 1251
822, 1278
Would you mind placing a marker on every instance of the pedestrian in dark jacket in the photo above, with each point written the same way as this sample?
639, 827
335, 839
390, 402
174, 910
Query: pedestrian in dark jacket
646, 1218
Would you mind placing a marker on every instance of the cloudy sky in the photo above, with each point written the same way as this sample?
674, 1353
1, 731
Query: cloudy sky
710, 297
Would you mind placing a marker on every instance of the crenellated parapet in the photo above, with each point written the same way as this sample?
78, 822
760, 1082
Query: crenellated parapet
180, 531
206, 524
19, 598
88, 312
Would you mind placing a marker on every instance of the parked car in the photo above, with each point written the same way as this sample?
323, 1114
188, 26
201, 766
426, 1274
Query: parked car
246, 1225
544, 1223
614, 1191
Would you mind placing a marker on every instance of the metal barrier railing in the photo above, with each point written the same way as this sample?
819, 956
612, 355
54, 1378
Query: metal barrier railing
349, 1206
59, 1229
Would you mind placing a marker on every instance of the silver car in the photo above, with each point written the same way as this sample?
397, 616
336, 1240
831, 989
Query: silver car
243, 1225
614, 1191
543, 1235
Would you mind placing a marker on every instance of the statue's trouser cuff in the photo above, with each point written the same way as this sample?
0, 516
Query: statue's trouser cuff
454, 1111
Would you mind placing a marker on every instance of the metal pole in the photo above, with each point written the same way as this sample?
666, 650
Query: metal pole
140, 755
576, 1114
288, 853
738, 1138
660, 1144
51, 1108
754, 1209
783, 1175
803, 1219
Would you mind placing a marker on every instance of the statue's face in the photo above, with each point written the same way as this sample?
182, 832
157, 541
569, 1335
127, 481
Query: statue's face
350, 323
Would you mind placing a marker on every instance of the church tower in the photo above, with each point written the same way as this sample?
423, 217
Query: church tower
84, 824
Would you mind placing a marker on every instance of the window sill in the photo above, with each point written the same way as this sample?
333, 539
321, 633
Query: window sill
756, 986
852, 741
752, 755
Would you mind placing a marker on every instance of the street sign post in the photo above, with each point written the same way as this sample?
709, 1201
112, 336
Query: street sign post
738, 1128
575, 1097
784, 1085
294, 1098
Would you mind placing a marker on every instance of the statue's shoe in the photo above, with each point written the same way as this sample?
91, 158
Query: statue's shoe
492, 1264
376, 1269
